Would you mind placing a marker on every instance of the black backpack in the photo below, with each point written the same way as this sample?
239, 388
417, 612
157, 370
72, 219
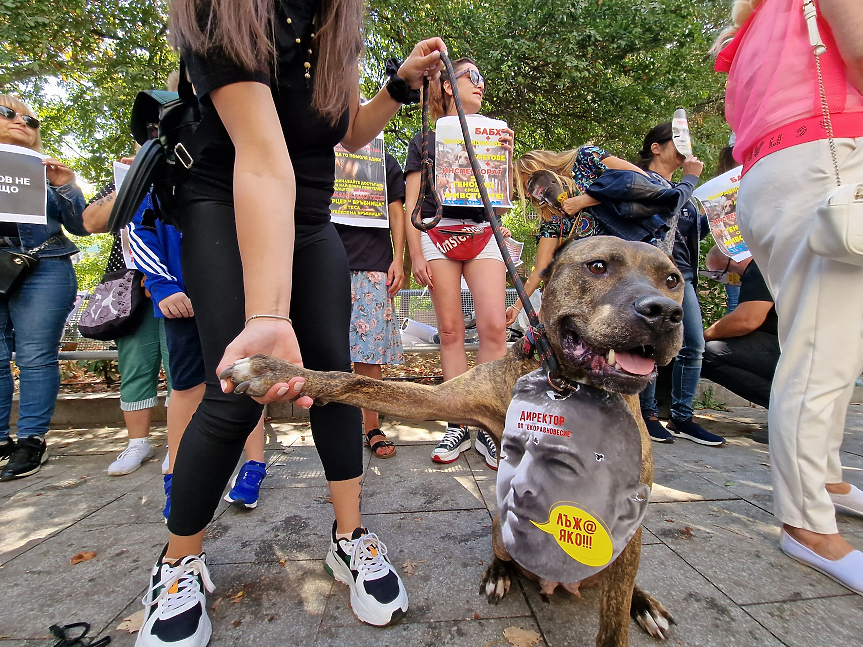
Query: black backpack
165, 157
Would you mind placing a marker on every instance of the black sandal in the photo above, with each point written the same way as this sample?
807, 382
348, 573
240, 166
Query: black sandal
381, 443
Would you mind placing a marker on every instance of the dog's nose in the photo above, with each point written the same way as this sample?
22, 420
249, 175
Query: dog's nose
656, 311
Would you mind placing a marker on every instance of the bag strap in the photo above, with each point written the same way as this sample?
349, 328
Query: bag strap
818, 48
56, 238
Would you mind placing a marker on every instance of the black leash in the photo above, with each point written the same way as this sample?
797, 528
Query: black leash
537, 330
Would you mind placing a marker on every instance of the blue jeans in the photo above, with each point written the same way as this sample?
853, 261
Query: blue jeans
32, 318
687, 365
732, 295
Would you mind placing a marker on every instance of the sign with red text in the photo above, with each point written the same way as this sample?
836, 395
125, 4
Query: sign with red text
360, 189
454, 177
23, 187
569, 493
719, 197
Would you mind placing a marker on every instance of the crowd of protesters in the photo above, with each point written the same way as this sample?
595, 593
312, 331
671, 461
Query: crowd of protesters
261, 205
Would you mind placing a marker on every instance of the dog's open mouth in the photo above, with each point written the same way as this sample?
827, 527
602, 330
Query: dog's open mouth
636, 361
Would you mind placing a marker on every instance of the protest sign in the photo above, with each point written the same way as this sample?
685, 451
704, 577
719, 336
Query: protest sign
360, 195
719, 197
454, 177
23, 188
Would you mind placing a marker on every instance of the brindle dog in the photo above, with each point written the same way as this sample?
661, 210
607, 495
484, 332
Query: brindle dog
602, 294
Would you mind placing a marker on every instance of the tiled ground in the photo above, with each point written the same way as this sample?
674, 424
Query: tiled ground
724, 579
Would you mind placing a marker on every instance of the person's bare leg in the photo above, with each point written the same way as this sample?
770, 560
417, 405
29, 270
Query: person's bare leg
371, 420
446, 298
255, 442
179, 547
830, 547
181, 408
345, 496
487, 281
138, 423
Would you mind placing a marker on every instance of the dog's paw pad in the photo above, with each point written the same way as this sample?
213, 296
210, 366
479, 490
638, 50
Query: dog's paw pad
496, 581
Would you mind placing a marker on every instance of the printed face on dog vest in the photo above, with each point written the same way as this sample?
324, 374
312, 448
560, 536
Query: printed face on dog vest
568, 488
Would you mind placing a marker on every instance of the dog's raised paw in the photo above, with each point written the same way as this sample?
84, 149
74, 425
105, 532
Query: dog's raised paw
496, 580
256, 374
650, 615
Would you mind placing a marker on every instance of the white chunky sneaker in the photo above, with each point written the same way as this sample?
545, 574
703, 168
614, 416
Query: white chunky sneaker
454, 442
378, 596
176, 605
130, 459
166, 464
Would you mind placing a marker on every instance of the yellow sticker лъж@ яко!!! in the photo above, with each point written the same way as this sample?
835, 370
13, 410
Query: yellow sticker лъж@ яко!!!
581, 535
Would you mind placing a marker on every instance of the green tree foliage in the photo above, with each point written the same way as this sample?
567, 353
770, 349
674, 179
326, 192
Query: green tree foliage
560, 72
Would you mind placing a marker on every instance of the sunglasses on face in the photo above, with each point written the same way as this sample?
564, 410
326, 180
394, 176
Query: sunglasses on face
474, 76
29, 121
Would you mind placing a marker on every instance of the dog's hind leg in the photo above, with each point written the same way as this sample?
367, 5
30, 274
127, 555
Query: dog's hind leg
650, 614
618, 583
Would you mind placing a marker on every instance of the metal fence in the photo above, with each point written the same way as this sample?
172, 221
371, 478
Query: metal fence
409, 304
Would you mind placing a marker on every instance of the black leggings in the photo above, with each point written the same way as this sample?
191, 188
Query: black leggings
321, 313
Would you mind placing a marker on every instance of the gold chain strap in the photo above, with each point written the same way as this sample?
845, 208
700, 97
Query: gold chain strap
818, 49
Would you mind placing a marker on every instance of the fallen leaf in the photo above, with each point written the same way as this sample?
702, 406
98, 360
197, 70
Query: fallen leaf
236, 623
476, 616
85, 556
409, 567
238, 597
519, 637
729, 483
215, 606
282, 563
133, 623
669, 521
686, 533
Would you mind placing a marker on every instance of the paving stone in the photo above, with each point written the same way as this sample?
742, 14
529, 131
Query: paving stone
289, 524
473, 633
735, 545
686, 486
295, 466
406, 432
705, 617
50, 590
447, 552
813, 623
411, 482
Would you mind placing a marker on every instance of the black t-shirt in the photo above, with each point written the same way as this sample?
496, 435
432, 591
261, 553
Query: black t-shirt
369, 248
414, 163
310, 139
754, 288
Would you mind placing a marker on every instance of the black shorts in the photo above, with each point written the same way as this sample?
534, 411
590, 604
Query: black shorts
185, 358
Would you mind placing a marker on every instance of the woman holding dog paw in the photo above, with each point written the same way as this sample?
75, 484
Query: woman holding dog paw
267, 273
791, 153
484, 271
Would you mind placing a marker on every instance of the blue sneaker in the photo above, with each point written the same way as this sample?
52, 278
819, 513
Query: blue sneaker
658, 433
693, 431
247, 485
167, 510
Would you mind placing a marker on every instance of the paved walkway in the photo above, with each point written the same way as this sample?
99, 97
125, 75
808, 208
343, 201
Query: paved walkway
710, 549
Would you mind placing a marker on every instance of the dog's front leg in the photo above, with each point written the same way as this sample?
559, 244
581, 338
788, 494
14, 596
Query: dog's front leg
617, 584
468, 399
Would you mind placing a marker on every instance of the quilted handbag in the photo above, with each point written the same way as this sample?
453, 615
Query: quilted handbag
116, 308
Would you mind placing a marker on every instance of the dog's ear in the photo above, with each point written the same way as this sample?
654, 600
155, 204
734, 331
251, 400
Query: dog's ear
555, 260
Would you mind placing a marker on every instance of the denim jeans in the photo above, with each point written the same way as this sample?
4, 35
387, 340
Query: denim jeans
32, 318
687, 365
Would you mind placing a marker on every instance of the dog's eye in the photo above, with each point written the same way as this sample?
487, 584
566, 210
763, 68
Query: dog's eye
597, 267
672, 281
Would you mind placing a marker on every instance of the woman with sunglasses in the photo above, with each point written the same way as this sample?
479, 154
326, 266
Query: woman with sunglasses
33, 314
485, 274
267, 273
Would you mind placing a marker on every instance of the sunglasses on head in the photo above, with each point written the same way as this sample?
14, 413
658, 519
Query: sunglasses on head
9, 114
474, 76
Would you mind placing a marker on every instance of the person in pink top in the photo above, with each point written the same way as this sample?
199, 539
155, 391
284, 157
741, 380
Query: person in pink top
773, 103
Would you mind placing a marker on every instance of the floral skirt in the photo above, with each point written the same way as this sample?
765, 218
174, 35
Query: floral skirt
375, 335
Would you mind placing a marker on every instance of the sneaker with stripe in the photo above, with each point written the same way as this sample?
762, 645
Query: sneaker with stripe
378, 596
485, 446
455, 440
176, 604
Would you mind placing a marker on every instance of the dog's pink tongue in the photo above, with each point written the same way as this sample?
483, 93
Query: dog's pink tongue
635, 364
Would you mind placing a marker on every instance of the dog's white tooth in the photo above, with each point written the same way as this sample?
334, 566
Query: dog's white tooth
617, 366
611, 357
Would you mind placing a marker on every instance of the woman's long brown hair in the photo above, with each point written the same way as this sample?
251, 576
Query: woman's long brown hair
244, 31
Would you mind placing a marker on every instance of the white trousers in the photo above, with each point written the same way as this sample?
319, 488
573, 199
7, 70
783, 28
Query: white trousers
820, 308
